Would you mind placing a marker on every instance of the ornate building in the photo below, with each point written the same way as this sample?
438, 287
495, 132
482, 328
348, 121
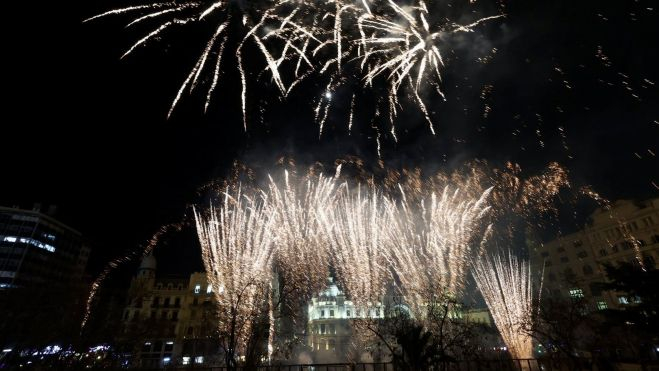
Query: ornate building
329, 323
171, 318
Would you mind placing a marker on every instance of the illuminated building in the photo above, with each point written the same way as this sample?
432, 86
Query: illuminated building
172, 318
38, 251
574, 263
328, 329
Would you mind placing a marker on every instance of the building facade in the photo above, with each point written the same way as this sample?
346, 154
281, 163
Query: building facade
171, 318
329, 329
574, 264
38, 251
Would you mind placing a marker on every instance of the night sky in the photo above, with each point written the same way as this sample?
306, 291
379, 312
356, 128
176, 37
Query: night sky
88, 132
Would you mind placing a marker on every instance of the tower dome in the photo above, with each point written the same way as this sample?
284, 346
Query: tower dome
148, 264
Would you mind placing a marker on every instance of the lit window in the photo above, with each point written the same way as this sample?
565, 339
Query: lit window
623, 300
601, 305
166, 360
197, 289
576, 293
186, 360
209, 289
199, 359
10, 239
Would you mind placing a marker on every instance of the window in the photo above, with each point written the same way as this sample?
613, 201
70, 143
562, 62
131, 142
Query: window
153, 314
548, 263
177, 302
163, 315
377, 312
195, 301
576, 293
322, 314
175, 315
146, 347
564, 259
332, 329
603, 252
322, 328
197, 289
332, 313
601, 305
209, 289
166, 304
577, 243
582, 254
623, 300
190, 330
127, 315
186, 360
347, 312
156, 302
561, 249
587, 270
615, 248
199, 359
169, 346
332, 344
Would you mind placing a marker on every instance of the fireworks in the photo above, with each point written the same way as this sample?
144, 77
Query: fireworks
334, 42
506, 288
431, 251
370, 238
237, 250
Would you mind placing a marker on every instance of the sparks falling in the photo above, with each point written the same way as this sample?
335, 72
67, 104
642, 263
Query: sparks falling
505, 283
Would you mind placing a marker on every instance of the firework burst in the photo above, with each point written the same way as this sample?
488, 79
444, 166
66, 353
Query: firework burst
333, 41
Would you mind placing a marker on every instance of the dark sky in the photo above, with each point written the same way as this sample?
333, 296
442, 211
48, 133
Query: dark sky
88, 131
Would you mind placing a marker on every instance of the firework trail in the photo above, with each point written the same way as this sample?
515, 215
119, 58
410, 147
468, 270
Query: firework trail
115, 263
505, 283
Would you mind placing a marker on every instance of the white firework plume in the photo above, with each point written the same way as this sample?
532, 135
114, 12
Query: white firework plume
302, 251
433, 243
356, 227
237, 248
505, 283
